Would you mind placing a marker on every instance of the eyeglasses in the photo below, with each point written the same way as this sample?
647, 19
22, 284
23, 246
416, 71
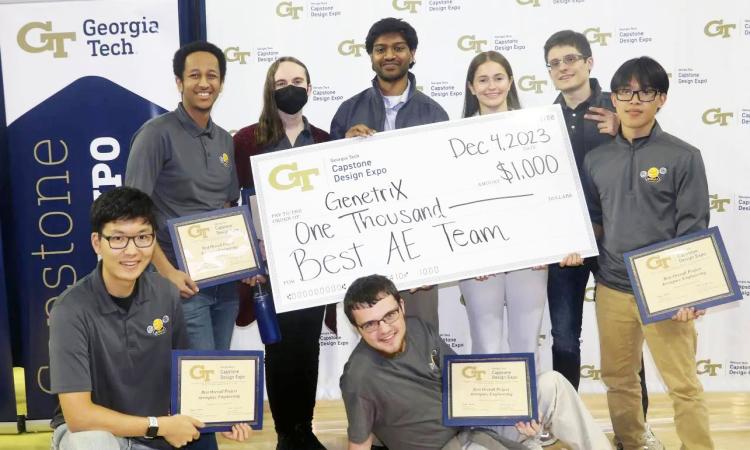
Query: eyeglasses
120, 242
644, 95
569, 60
373, 325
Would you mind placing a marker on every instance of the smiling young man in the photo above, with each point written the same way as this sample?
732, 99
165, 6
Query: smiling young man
392, 102
185, 162
392, 385
645, 187
111, 337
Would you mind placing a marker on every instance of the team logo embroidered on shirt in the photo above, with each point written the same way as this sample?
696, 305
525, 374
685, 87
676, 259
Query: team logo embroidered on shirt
653, 175
224, 158
157, 327
434, 360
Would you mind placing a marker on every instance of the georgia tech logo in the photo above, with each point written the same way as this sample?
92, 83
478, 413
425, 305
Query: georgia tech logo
657, 262
157, 327
717, 204
705, 367
596, 36
224, 158
197, 231
50, 42
590, 371
348, 47
714, 115
472, 372
296, 177
716, 28
287, 9
199, 372
406, 5
470, 43
234, 54
530, 83
653, 175
534, 3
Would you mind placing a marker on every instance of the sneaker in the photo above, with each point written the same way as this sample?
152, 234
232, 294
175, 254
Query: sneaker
546, 439
652, 442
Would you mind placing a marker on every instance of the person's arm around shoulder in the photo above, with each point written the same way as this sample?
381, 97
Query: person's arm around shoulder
366, 445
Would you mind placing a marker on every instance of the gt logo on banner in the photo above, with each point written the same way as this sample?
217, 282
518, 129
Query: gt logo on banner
714, 115
717, 28
287, 9
596, 36
534, 3
705, 367
299, 178
529, 83
51, 42
234, 54
406, 5
717, 204
348, 47
470, 43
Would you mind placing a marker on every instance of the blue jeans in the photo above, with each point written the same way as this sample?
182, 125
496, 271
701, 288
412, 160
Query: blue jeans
566, 288
210, 316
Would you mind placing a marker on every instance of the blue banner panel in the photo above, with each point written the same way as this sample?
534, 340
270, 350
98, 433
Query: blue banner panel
62, 153
7, 392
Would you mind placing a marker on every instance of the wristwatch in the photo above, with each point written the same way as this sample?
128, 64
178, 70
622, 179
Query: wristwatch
153, 428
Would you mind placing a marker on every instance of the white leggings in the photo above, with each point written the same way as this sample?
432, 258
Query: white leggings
523, 292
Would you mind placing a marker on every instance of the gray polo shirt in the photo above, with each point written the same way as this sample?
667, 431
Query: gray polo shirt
399, 399
184, 168
122, 358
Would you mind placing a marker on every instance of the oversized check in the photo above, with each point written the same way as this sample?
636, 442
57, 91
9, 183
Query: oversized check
422, 205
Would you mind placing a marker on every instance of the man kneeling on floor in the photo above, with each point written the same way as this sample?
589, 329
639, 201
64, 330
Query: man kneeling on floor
392, 386
111, 338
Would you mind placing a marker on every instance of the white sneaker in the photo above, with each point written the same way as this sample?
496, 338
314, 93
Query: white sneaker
652, 442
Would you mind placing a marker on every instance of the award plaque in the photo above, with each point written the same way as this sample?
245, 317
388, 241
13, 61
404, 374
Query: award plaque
219, 388
690, 271
217, 246
484, 390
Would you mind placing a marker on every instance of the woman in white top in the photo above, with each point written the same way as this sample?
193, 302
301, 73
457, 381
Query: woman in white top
490, 88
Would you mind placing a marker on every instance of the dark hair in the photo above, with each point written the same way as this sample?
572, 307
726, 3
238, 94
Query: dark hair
568, 37
471, 104
392, 25
121, 203
178, 62
270, 130
646, 71
365, 292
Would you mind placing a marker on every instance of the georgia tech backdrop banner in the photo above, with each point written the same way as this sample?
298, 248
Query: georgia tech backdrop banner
703, 45
79, 79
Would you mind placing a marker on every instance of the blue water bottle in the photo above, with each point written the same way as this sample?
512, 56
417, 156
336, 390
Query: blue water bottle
265, 314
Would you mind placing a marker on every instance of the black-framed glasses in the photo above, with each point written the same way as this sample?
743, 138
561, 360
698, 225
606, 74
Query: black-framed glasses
389, 317
119, 242
644, 95
569, 60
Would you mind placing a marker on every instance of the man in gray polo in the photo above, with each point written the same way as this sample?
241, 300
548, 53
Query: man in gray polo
111, 337
185, 163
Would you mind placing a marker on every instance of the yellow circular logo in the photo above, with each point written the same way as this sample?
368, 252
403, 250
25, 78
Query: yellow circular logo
653, 172
158, 325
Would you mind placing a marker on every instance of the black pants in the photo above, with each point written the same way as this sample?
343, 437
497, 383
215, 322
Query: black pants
292, 369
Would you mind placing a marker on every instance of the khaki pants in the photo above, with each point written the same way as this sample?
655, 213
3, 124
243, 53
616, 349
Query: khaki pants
673, 346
